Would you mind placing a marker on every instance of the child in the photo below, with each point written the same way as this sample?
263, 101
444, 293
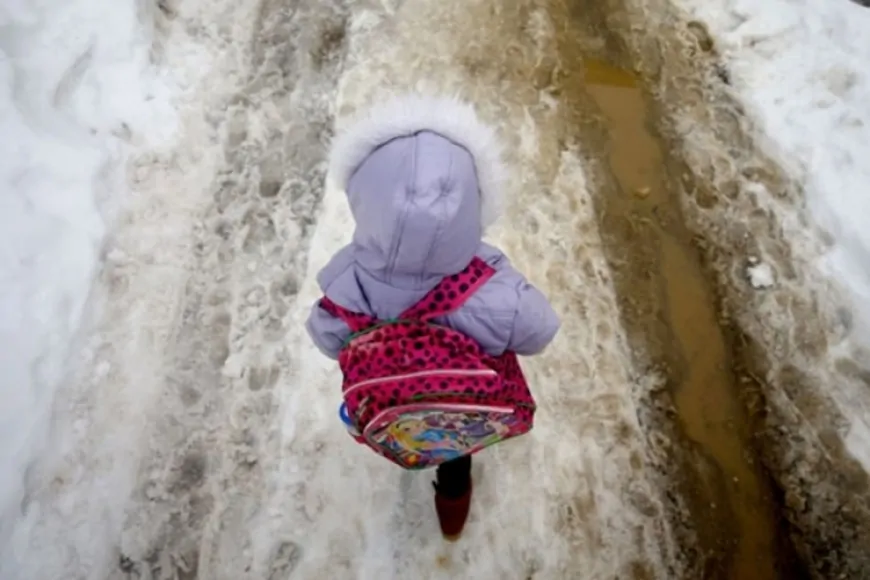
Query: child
423, 178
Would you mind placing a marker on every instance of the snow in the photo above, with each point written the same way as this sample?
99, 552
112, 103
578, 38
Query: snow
76, 96
760, 274
204, 435
800, 68
586, 371
197, 436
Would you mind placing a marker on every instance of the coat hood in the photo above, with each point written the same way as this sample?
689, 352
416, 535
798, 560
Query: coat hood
423, 178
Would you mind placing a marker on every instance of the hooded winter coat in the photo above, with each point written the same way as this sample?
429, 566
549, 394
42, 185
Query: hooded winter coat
423, 179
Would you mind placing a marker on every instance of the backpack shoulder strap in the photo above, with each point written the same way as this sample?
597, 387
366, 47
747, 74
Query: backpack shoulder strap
451, 292
355, 321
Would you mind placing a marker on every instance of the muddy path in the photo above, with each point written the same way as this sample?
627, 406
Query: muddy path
643, 456
671, 312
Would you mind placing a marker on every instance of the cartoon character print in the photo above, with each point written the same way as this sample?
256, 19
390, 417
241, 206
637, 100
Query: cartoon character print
412, 437
387, 365
485, 429
442, 436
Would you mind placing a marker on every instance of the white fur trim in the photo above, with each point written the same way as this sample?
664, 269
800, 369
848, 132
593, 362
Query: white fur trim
450, 117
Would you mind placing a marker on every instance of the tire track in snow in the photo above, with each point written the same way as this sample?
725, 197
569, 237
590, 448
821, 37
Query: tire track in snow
798, 378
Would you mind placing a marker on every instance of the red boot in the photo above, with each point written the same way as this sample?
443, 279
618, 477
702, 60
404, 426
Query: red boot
452, 512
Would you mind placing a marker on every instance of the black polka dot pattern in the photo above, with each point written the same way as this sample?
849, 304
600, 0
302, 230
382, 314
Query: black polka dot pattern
414, 361
451, 292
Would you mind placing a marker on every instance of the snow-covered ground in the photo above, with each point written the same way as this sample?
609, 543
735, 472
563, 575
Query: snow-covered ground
195, 430
800, 69
77, 95
164, 212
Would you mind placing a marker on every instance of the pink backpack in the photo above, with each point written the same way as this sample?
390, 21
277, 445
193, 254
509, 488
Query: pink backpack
420, 393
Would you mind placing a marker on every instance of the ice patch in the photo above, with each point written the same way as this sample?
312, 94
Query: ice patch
76, 94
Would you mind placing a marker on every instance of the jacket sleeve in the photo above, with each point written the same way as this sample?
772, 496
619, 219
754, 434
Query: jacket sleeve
507, 313
327, 332
535, 322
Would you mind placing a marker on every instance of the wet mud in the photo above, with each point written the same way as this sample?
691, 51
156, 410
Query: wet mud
797, 377
670, 309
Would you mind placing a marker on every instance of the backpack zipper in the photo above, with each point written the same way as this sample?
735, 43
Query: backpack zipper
444, 373
372, 425
354, 335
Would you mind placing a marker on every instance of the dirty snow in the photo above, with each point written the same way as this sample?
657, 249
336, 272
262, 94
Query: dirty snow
197, 434
196, 429
801, 70
72, 106
191, 429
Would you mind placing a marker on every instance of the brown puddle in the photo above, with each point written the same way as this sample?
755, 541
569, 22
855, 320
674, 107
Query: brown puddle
703, 387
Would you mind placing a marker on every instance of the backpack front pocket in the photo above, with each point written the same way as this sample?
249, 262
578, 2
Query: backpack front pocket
421, 435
